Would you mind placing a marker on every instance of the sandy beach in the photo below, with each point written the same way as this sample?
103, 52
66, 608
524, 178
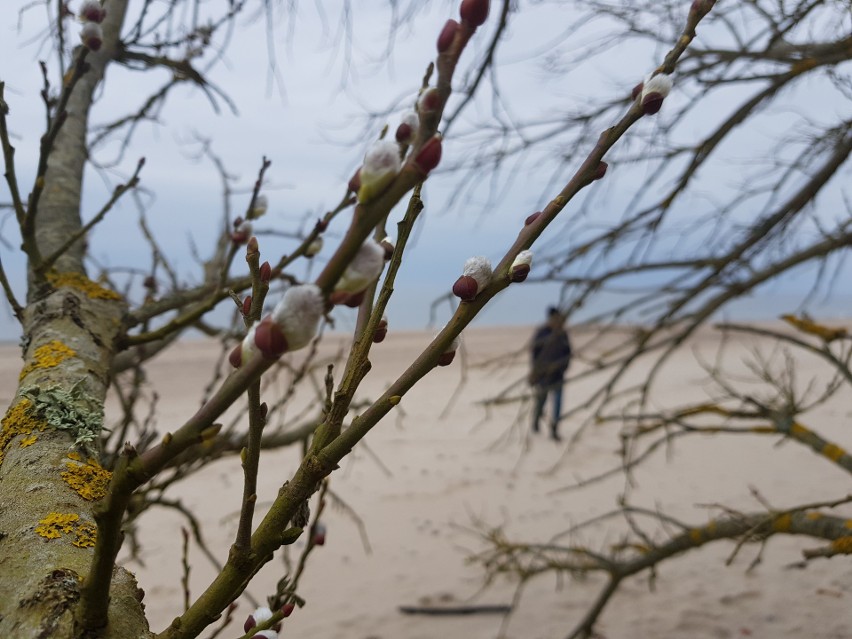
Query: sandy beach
438, 473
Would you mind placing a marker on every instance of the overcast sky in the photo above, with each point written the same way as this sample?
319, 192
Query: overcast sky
307, 123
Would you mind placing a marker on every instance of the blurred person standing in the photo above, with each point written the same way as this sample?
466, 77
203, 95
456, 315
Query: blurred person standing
550, 358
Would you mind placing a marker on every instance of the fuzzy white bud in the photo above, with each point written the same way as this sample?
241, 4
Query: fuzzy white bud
364, 268
314, 247
381, 164
660, 83
523, 258
479, 268
261, 615
249, 348
92, 36
299, 313
261, 204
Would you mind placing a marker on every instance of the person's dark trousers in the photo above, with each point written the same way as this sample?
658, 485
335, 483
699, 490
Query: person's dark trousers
541, 393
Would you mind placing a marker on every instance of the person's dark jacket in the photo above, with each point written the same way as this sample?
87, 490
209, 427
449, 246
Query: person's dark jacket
551, 356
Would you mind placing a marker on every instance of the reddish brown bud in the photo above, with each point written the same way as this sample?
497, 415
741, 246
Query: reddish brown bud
355, 182
701, 7
247, 305
269, 339
287, 609
652, 103
445, 359
265, 272
252, 246
322, 225
388, 246
465, 288
403, 133
263, 410
92, 11
429, 156
637, 90
236, 356
474, 12
379, 335
520, 272
319, 534
352, 300
600, 171
429, 101
92, 36
249, 624
448, 34
237, 221
355, 299
532, 218
150, 283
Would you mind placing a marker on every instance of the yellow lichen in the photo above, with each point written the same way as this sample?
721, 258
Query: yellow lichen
17, 421
833, 452
797, 430
842, 545
56, 524
28, 441
805, 324
696, 536
813, 515
88, 480
85, 535
75, 456
783, 522
848, 523
52, 526
47, 356
81, 283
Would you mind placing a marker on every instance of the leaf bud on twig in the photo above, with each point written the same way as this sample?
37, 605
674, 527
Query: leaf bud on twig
265, 272
408, 127
600, 171
429, 101
532, 218
521, 266
319, 534
474, 12
448, 34
246, 305
429, 155
381, 164
287, 609
475, 276
381, 330
654, 92
92, 36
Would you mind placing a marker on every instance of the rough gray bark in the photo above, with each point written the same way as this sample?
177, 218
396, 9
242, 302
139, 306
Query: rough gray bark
69, 330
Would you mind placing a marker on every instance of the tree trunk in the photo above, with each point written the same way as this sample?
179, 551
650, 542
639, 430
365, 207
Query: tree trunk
50, 479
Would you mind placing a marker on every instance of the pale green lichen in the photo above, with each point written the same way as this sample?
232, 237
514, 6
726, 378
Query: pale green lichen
72, 411
57, 524
47, 356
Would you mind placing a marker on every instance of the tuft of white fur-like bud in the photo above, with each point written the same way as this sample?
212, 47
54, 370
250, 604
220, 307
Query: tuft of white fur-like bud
521, 266
92, 36
479, 268
660, 83
364, 268
381, 164
261, 204
299, 313
446, 358
249, 348
259, 616
314, 247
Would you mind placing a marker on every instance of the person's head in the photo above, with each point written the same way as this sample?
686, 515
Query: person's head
555, 318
